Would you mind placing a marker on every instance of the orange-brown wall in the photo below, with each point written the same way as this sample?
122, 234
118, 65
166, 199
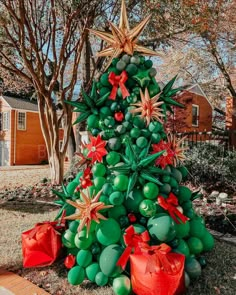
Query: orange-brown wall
30, 146
229, 111
185, 115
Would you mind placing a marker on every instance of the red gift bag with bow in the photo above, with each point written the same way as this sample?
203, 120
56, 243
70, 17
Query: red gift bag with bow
155, 270
41, 245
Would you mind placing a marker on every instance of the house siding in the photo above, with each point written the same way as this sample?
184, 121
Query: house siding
30, 142
184, 116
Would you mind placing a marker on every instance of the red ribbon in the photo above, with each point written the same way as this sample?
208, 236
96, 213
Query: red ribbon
118, 80
158, 259
132, 240
170, 204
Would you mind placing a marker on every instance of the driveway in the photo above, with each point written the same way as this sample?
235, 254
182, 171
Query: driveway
27, 175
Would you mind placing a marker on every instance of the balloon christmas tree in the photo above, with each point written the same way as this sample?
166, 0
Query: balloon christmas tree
130, 221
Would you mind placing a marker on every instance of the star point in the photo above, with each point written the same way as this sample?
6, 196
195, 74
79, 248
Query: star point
122, 38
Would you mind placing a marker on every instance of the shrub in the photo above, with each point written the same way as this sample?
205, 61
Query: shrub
213, 164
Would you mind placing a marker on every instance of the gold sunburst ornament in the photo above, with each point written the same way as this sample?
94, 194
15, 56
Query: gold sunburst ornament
148, 107
122, 39
176, 147
88, 210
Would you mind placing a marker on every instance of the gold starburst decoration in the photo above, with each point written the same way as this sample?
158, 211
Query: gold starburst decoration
176, 147
148, 107
122, 39
88, 210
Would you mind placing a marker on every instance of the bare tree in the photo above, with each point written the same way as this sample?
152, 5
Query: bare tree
40, 41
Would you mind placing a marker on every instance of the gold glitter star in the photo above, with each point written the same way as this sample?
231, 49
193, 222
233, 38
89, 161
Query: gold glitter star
122, 39
175, 146
148, 107
88, 210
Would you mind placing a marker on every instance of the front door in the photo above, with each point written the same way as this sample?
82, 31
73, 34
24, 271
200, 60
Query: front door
4, 152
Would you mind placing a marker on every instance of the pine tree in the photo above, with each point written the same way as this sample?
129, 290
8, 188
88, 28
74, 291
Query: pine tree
133, 174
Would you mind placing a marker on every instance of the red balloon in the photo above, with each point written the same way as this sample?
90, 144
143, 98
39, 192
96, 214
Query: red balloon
132, 217
119, 116
69, 261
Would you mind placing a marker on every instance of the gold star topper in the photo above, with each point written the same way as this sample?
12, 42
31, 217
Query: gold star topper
122, 39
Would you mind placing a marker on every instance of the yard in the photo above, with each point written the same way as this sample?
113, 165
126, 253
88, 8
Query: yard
20, 210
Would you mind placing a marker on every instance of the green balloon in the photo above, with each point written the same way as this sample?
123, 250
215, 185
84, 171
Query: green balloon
76, 275
84, 258
138, 122
71, 187
141, 142
68, 239
192, 267
173, 183
108, 260
131, 69
121, 182
147, 208
165, 188
150, 190
92, 121
138, 228
99, 169
182, 229
184, 171
116, 198
117, 211
197, 228
135, 132
73, 226
176, 174
73, 251
195, 245
121, 285
184, 194
155, 137
207, 241
112, 158
105, 112
104, 80
77, 178
92, 270
186, 279
99, 182
108, 232
114, 143
82, 241
186, 205
182, 248
155, 127
162, 227
133, 201
101, 279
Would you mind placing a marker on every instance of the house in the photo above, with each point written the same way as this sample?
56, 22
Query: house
21, 138
197, 113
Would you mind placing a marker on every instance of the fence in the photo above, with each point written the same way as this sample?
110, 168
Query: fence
224, 138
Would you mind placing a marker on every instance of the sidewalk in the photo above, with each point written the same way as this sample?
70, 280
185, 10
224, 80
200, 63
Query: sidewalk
12, 284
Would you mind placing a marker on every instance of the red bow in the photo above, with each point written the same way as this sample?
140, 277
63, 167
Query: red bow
132, 240
158, 259
170, 204
118, 80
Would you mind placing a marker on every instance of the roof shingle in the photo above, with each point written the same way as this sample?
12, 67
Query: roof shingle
21, 104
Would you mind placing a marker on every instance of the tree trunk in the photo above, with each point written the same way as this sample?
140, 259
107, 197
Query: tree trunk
71, 145
56, 164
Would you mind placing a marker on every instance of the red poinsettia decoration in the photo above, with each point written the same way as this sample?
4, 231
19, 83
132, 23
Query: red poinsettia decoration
85, 180
96, 148
173, 151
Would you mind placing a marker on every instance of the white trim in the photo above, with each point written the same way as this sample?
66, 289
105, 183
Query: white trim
5, 101
197, 106
203, 93
9, 120
18, 112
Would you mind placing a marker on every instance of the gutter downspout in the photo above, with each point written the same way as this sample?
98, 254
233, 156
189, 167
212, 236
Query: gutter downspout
14, 154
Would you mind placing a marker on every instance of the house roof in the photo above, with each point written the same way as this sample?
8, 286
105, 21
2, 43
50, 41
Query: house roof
196, 88
20, 103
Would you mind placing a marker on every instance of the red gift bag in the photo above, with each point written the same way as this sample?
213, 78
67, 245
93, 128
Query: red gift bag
157, 271
41, 245
154, 270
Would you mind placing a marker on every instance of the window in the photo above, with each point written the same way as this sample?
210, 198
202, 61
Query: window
21, 123
195, 115
5, 120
